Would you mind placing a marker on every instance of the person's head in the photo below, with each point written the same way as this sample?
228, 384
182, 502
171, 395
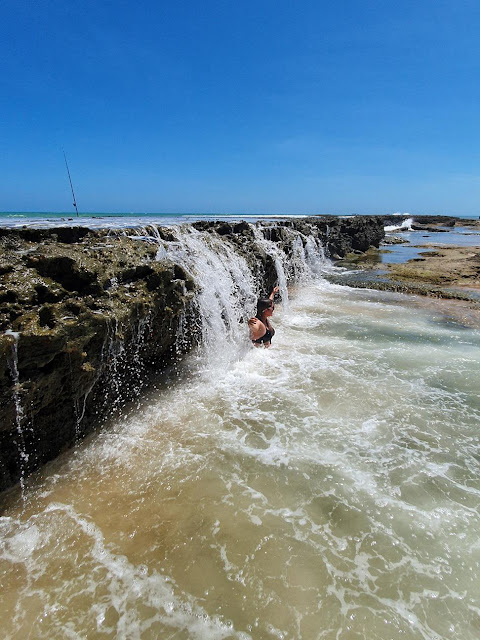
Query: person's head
264, 305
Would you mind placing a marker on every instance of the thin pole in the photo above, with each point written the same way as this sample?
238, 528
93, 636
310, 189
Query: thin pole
71, 185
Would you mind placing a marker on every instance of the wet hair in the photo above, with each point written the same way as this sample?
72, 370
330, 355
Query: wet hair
262, 305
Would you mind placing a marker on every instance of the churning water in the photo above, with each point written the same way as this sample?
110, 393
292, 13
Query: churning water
328, 487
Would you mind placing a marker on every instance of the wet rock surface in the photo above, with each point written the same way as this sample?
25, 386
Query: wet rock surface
88, 317
85, 317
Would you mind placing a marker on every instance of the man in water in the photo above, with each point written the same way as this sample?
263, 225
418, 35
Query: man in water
261, 331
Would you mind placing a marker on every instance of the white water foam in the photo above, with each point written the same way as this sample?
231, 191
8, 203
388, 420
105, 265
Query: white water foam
406, 225
327, 487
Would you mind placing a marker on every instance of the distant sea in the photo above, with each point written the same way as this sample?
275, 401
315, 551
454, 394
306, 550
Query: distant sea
120, 220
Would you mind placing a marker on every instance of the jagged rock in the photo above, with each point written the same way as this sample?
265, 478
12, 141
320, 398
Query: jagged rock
421, 227
76, 315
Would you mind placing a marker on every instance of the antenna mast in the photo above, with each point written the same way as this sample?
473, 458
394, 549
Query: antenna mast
70, 180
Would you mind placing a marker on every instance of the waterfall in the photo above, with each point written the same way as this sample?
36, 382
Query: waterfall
226, 286
228, 280
279, 259
311, 258
301, 259
19, 412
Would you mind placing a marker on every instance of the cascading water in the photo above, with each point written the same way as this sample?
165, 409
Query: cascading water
324, 488
19, 412
303, 260
278, 256
227, 284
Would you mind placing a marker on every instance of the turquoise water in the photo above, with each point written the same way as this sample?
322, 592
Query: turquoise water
120, 220
125, 219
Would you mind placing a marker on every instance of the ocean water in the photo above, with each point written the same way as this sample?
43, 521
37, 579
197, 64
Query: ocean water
129, 219
328, 487
120, 220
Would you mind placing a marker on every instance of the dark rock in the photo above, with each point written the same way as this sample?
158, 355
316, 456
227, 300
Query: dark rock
66, 271
445, 221
71, 361
224, 228
345, 235
420, 227
46, 317
242, 227
7, 295
5, 268
46, 294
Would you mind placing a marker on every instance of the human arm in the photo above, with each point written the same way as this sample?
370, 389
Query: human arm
274, 291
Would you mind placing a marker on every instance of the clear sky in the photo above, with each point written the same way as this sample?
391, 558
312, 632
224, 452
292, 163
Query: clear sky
272, 106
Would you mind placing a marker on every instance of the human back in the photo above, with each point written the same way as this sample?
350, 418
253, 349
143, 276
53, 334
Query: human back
261, 330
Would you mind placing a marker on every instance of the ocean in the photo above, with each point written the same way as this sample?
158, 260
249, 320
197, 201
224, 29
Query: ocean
121, 220
326, 488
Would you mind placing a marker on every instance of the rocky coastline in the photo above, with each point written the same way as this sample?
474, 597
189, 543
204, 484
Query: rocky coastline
439, 270
89, 317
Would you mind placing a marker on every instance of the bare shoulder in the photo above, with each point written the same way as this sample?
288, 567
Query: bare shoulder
257, 328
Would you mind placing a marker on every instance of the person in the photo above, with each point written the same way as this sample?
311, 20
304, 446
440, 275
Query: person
261, 331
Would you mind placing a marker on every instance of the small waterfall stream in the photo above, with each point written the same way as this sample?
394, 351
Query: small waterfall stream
19, 412
226, 284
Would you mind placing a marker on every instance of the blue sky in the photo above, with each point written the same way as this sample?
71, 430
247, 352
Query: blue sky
222, 106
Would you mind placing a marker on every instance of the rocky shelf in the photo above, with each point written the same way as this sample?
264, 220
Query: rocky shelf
438, 270
88, 317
